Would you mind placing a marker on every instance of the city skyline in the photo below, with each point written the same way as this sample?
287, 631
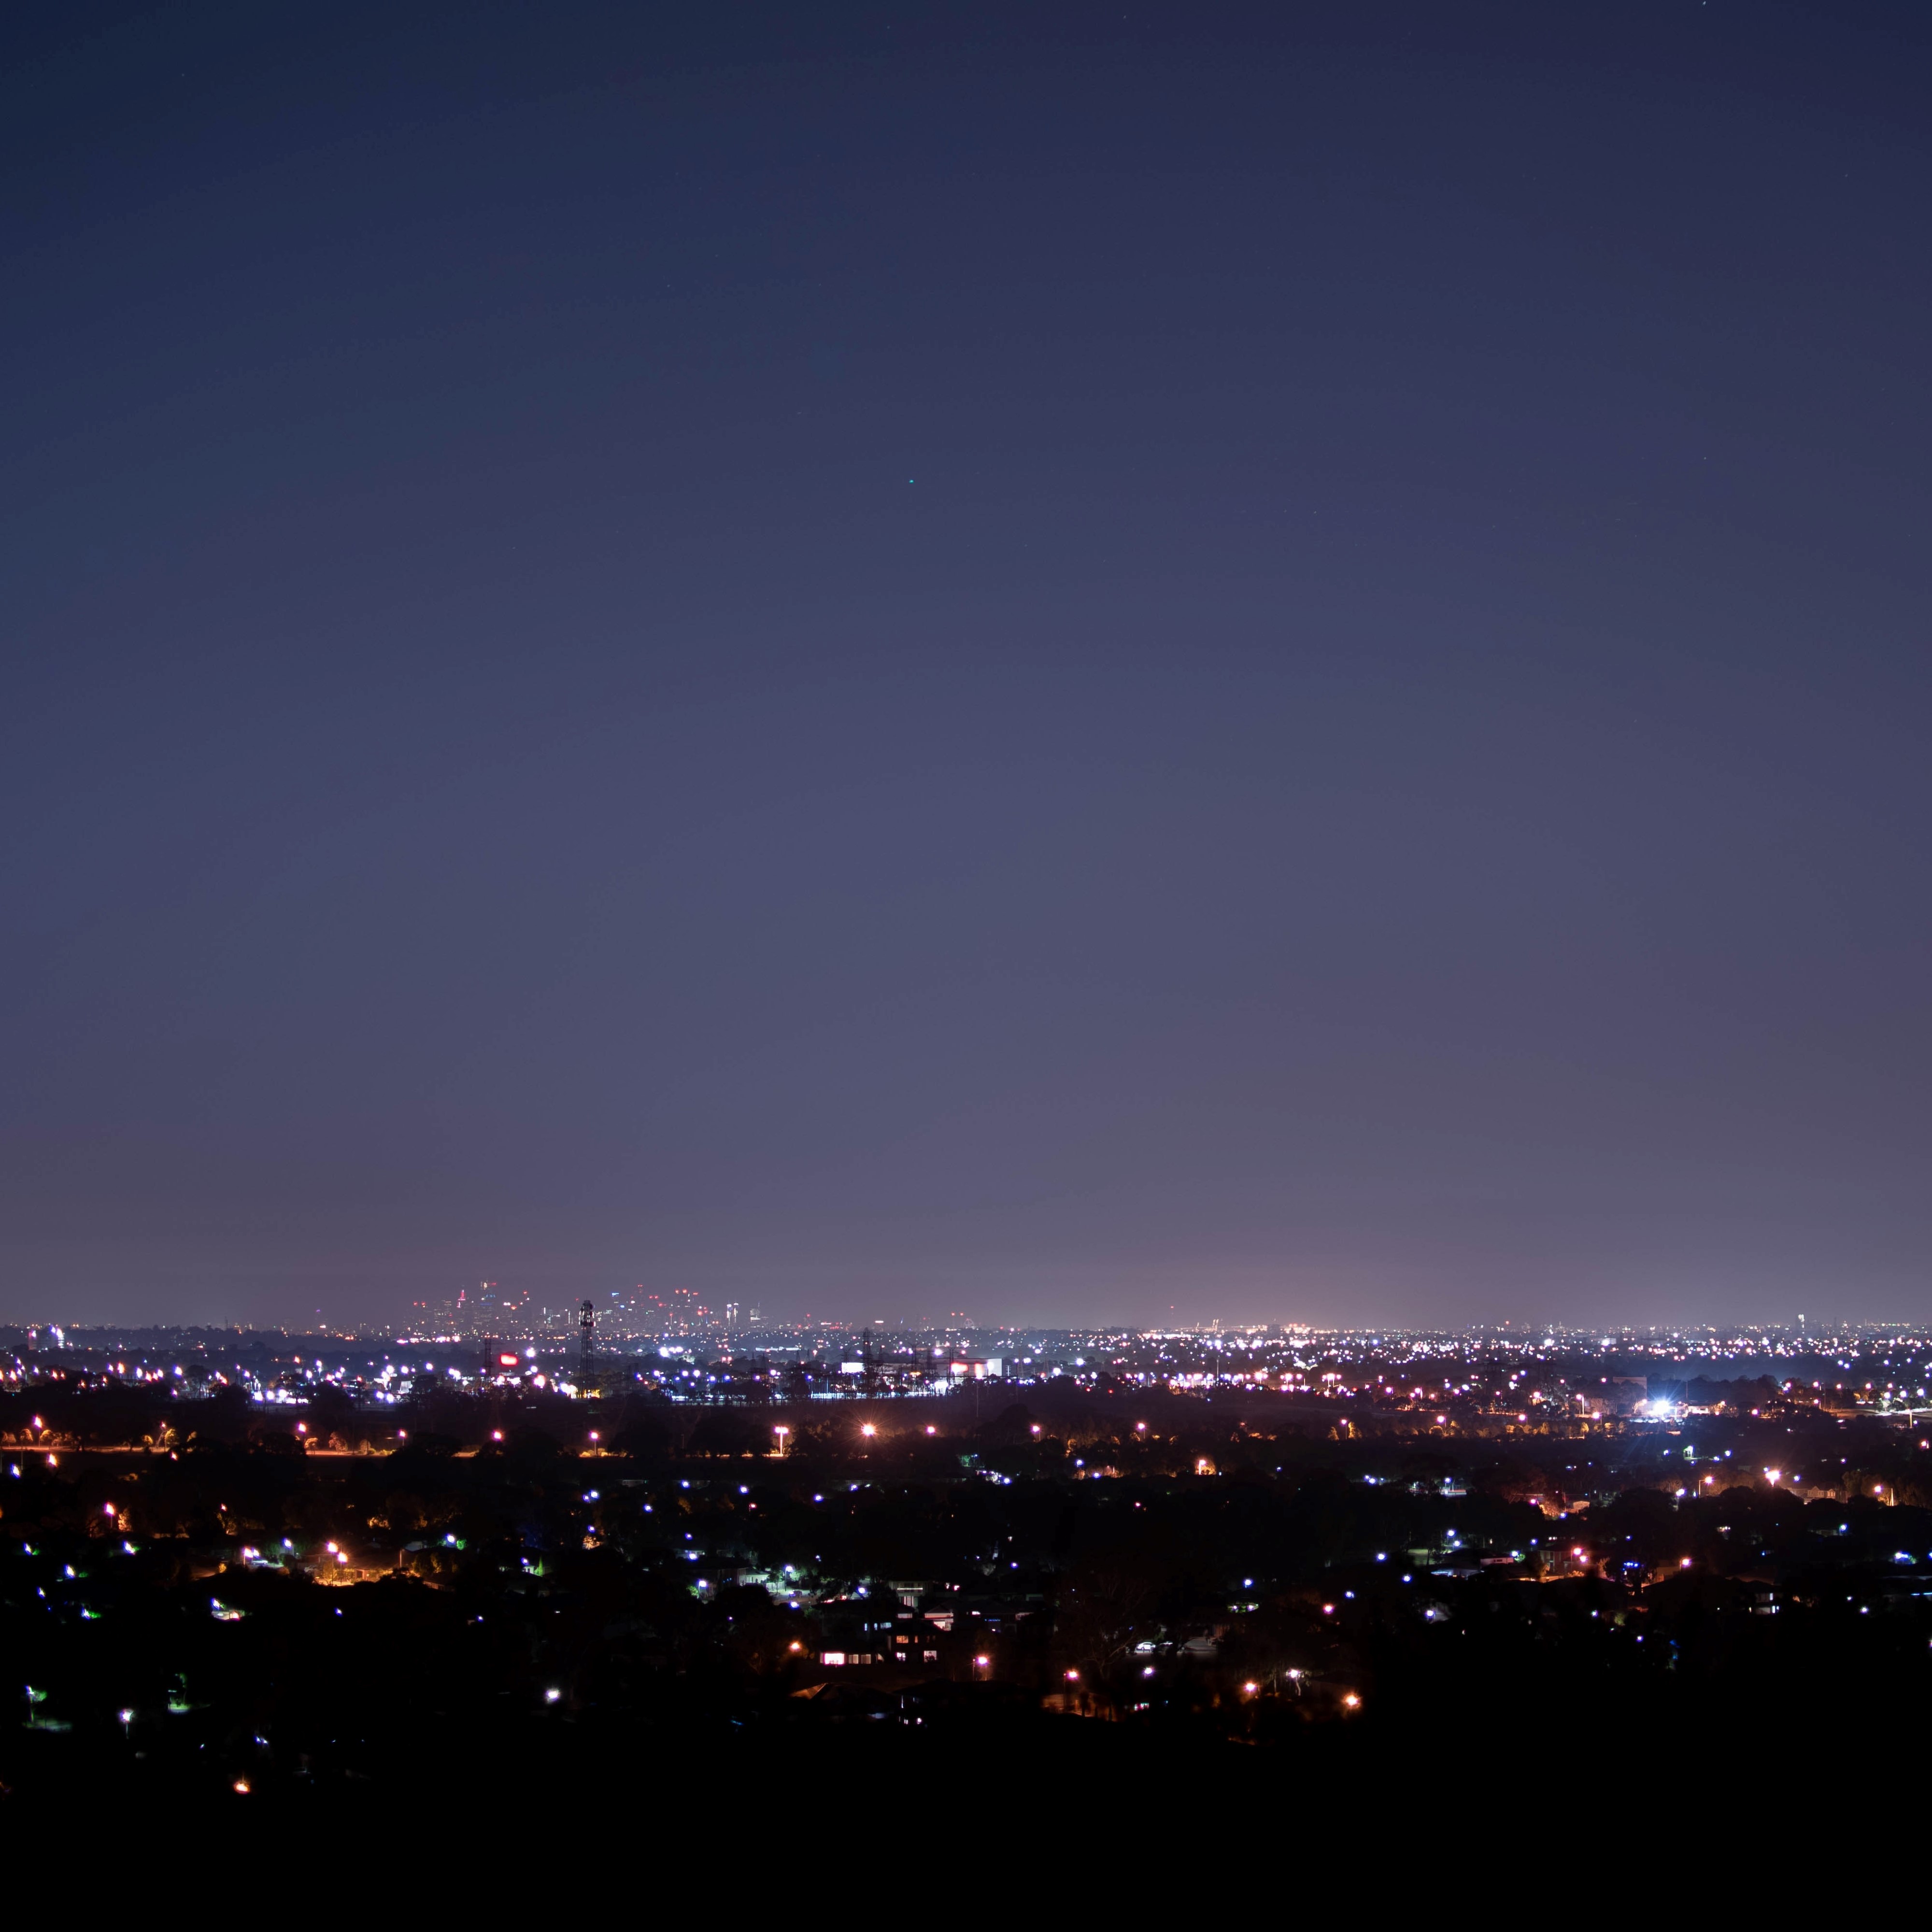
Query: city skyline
923, 924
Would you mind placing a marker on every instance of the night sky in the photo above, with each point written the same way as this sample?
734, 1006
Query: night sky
1051, 660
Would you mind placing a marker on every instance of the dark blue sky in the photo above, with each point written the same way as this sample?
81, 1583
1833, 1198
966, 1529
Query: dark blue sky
1045, 660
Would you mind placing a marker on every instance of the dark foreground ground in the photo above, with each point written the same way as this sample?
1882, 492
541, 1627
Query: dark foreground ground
1208, 1620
